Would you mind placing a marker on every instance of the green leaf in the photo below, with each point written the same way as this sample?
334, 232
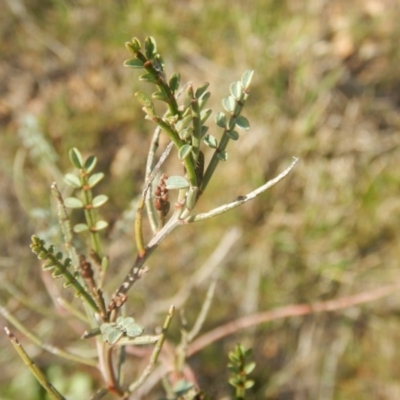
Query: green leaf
229, 103
76, 158
249, 384
181, 387
176, 182
233, 135
203, 131
185, 134
134, 46
124, 322
222, 155
201, 90
211, 141
184, 151
236, 90
204, 99
134, 330
114, 336
73, 202
246, 78
100, 225
78, 228
146, 102
174, 82
150, 47
148, 77
220, 119
90, 163
205, 114
248, 369
160, 96
72, 180
95, 179
242, 123
183, 123
99, 200
133, 63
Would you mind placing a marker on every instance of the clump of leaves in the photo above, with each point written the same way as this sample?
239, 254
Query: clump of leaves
240, 367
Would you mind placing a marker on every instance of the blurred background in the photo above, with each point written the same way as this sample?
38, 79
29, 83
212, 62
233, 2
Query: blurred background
326, 89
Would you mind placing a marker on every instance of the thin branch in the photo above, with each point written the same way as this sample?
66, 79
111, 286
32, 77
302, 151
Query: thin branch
39, 342
241, 199
138, 222
155, 354
295, 310
37, 373
149, 167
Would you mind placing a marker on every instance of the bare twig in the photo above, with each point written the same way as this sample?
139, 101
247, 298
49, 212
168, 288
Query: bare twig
39, 342
241, 199
38, 374
155, 354
290, 311
138, 222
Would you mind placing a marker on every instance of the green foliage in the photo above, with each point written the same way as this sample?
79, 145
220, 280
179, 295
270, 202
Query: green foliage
54, 262
184, 124
240, 367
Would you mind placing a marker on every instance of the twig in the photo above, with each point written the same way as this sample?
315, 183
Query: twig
38, 374
155, 354
138, 222
241, 199
149, 167
295, 310
39, 342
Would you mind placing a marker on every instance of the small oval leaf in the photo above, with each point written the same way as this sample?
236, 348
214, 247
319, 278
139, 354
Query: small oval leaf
135, 45
205, 114
242, 123
176, 182
246, 78
148, 77
229, 103
220, 119
76, 158
174, 82
160, 96
204, 99
184, 151
185, 134
211, 141
78, 228
100, 225
95, 179
133, 63
125, 322
134, 330
201, 90
99, 200
222, 155
72, 180
236, 90
90, 163
150, 47
233, 135
73, 202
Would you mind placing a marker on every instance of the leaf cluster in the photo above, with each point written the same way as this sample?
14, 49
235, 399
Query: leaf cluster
240, 367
